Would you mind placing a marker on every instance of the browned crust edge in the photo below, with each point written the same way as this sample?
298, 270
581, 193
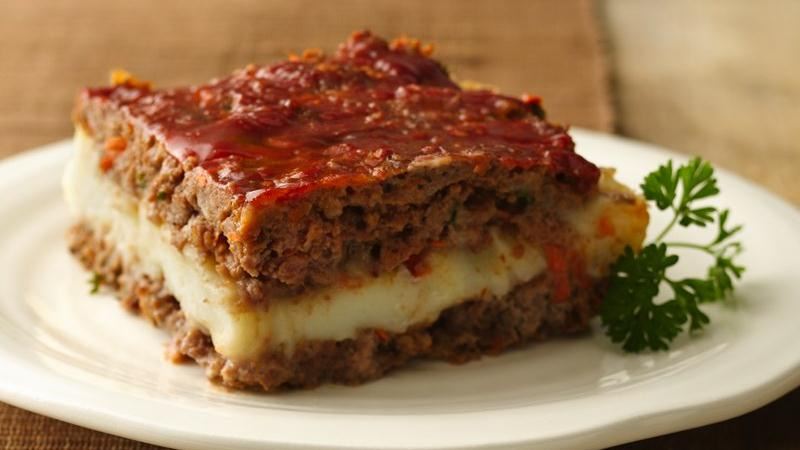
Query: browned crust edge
462, 333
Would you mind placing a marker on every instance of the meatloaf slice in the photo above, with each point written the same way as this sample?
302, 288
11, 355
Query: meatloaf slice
359, 204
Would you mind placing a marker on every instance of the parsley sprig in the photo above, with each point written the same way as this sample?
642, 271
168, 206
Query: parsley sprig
630, 313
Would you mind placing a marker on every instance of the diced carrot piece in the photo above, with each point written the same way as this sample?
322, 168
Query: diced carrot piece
382, 335
106, 161
116, 144
605, 227
559, 272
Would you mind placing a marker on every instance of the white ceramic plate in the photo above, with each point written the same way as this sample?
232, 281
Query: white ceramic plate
82, 359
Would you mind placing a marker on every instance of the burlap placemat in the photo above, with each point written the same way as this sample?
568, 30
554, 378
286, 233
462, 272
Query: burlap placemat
50, 48
20, 429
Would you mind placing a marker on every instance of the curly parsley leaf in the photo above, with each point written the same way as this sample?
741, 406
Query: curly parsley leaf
725, 270
697, 180
661, 186
630, 313
689, 293
723, 232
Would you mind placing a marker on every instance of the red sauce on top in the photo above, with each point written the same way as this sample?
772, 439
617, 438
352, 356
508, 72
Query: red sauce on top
276, 132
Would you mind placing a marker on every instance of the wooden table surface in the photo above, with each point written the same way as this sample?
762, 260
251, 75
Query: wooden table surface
50, 48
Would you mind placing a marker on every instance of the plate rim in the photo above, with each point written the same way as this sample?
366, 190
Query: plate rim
727, 407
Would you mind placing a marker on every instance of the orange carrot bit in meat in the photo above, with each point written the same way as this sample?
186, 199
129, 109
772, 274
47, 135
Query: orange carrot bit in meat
605, 227
557, 263
382, 335
556, 258
111, 149
106, 161
115, 144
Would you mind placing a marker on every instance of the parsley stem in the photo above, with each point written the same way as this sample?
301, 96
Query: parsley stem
702, 248
666, 229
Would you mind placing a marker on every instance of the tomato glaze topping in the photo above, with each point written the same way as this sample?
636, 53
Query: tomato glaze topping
367, 112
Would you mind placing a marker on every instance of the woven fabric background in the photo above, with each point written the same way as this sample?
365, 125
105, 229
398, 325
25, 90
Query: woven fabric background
546, 48
50, 48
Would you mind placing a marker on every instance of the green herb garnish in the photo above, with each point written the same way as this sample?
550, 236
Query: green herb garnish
629, 313
94, 283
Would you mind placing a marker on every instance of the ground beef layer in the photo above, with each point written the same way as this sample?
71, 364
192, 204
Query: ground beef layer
283, 174
284, 248
462, 333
